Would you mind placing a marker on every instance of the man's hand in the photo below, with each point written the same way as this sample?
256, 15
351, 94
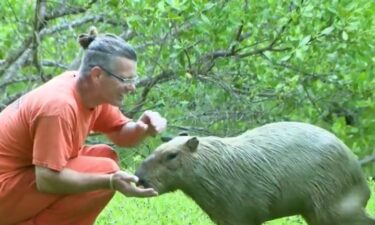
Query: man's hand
132, 133
152, 122
124, 183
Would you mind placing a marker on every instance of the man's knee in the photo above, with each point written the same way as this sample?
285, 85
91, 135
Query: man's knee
100, 150
90, 164
108, 164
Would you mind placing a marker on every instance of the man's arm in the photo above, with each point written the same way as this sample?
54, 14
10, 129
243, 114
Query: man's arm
132, 133
70, 181
129, 135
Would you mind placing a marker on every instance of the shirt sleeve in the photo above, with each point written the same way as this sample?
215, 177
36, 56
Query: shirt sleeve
109, 119
53, 143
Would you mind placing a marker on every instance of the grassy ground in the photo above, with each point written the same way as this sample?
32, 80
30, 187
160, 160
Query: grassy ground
174, 209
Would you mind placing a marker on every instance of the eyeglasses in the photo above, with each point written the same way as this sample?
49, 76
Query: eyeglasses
133, 80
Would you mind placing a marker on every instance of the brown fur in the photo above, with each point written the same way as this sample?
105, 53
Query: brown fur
276, 170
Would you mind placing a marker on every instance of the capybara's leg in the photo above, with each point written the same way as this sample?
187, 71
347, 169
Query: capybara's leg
351, 208
359, 218
237, 223
312, 219
356, 216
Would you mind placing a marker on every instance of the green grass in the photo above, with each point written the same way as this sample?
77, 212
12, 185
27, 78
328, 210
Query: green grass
174, 209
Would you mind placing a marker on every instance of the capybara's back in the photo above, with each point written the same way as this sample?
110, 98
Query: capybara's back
276, 170
306, 170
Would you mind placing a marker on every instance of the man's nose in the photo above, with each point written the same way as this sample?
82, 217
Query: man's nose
130, 87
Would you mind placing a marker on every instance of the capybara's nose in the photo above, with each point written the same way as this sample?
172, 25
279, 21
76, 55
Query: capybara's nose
143, 183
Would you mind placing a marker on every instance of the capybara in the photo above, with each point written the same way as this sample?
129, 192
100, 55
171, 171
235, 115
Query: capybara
276, 170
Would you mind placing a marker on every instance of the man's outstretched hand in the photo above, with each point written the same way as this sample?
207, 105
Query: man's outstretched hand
125, 183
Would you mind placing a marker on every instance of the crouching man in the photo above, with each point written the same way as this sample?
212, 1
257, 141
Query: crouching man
47, 175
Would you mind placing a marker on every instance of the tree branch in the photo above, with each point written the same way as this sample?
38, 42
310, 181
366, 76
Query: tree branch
15, 61
175, 32
194, 129
64, 12
13, 58
49, 63
367, 160
17, 64
17, 80
9, 100
39, 23
149, 84
74, 23
238, 37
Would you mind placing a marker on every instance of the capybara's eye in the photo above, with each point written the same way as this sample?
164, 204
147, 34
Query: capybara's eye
171, 156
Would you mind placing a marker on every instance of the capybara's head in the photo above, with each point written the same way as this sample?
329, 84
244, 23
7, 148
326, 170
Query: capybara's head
168, 166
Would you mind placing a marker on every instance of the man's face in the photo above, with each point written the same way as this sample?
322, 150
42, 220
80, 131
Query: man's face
116, 84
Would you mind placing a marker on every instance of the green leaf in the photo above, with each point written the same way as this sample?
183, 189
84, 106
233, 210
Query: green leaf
305, 40
161, 6
299, 54
205, 19
286, 58
327, 30
209, 5
345, 36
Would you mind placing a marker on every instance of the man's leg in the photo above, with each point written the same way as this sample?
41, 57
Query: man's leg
83, 208
24, 203
20, 200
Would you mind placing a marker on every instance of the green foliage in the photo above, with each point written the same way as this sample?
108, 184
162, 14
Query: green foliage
319, 70
288, 60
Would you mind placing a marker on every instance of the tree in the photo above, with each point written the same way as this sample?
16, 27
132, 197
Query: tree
214, 67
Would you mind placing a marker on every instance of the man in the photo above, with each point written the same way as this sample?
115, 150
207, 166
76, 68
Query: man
47, 175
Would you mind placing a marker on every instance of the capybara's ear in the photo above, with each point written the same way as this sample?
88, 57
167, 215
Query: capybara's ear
183, 133
165, 138
192, 144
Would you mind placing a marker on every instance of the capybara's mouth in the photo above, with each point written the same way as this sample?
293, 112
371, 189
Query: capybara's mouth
143, 183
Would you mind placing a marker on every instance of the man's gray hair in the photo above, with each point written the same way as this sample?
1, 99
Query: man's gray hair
102, 50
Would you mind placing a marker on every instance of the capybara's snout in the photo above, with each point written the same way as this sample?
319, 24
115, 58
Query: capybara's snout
143, 183
141, 179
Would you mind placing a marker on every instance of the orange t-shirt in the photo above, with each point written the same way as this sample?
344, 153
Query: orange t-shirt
49, 125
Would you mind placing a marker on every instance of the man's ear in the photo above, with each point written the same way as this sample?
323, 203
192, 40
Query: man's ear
95, 72
192, 144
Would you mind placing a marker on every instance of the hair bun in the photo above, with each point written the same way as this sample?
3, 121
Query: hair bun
86, 39
93, 31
